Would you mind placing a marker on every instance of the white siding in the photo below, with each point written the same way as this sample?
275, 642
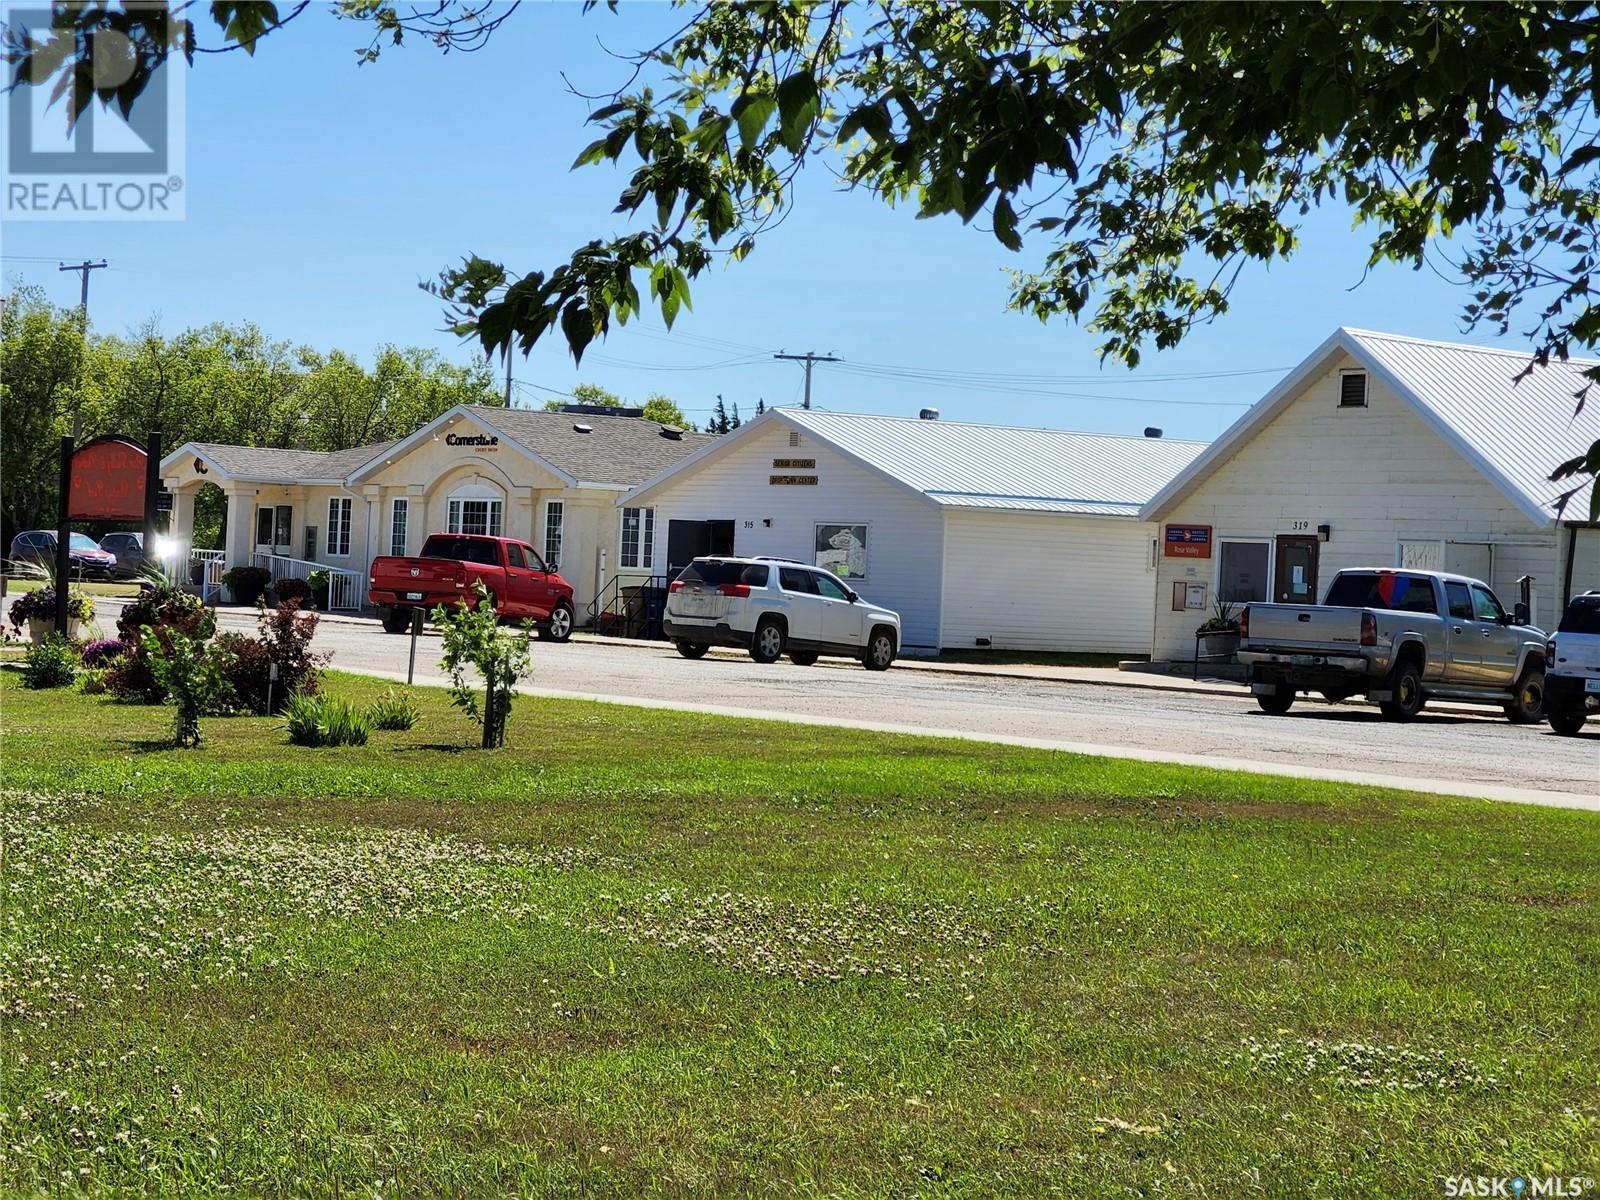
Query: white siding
903, 540
1377, 475
1585, 561
1033, 581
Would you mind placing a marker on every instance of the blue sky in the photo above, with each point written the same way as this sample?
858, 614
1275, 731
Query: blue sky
321, 192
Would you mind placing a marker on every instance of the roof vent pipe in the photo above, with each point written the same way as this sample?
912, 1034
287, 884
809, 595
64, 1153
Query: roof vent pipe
928, 414
1151, 431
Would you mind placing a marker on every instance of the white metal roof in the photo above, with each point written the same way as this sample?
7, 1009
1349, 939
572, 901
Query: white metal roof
962, 465
1514, 432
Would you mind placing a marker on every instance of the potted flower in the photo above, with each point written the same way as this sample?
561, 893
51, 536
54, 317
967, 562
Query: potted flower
38, 609
297, 590
246, 583
318, 581
1220, 631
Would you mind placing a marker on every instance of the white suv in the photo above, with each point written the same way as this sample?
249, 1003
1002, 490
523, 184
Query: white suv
1572, 666
768, 606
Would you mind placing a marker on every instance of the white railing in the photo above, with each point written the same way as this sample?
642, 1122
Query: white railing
344, 585
205, 572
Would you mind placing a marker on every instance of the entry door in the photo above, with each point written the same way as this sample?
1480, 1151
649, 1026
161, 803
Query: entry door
686, 541
1294, 579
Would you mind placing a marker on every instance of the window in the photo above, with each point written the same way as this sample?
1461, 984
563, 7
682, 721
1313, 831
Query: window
460, 549
1485, 607
830, 588
842, 549
514, 557
338, 526
264, 526
638, 538
1383, 589
399, 515
1420, 556
1459, 600
469, 515
82, 541
310, 551
555, 513
283, 530
1242, 572
1352, 389
715, 574
792, 579
1582, 616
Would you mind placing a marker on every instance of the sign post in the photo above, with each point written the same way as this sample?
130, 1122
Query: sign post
64, 537
152, 493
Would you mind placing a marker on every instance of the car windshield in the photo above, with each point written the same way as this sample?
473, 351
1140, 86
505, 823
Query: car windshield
717, 572
1582, 616
82, 541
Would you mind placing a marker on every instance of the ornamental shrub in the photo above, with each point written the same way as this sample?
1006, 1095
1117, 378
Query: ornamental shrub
188, 670
325, 721
246, 582
297, 591
394, 710
156, 613
52, 663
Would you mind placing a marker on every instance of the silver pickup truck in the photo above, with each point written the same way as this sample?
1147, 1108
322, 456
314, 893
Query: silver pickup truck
1399, 638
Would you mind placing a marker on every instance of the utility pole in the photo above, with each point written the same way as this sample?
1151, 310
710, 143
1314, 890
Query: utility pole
810, 358
83, 270
508, 374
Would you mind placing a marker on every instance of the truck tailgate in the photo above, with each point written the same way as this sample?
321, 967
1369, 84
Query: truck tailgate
1309, 625
417, 577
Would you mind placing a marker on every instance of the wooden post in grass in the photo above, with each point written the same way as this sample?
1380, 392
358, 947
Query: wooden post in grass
416, 631
488, 713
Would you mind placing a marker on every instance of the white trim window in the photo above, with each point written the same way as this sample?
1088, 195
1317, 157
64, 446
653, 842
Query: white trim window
842, 548
638, 542
472, 514
399, 518
555, 513
339, 527
1244, 570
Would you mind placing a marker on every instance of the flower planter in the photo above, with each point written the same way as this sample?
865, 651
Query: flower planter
40, 628
1217, 646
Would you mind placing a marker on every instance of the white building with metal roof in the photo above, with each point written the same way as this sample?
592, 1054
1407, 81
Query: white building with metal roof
1382, 450
979, 535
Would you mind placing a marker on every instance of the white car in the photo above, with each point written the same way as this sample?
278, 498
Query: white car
768, 606
1572, 666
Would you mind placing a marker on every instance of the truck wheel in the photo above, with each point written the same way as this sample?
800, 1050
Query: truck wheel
1565, 721
396, 619
1405, 690
1278, 703
559, 627
1528, 706
767, 644
691, 649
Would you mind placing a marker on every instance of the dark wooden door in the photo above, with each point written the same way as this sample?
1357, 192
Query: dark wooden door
1294, 577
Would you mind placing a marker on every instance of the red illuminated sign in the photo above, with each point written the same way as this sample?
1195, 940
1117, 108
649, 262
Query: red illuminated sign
107, 481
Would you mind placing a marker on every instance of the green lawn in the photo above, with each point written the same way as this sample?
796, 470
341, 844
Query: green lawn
88, 586
654, 952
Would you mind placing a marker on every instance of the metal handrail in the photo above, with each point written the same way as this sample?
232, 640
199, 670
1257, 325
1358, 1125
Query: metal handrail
630, 606
344, 585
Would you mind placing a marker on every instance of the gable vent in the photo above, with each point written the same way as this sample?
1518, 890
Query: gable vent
794, 438
580, 427
1353, 389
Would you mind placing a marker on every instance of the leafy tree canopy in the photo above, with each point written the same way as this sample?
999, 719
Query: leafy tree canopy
1139, 154
657, 407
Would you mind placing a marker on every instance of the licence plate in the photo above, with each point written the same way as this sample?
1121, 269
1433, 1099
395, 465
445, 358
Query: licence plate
1302, 660
696, 605
1592, 686
413, 595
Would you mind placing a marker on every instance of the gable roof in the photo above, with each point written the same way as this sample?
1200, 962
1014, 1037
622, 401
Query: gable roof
617, 453
1512, 432
267, 464
959, 465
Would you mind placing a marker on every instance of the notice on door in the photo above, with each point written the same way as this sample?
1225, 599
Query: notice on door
1188, 541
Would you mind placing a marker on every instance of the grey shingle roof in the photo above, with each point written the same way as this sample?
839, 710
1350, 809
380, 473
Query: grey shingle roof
617, 450
288, 466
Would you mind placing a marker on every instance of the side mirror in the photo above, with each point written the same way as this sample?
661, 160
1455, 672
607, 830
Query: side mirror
1519, 614
854, 596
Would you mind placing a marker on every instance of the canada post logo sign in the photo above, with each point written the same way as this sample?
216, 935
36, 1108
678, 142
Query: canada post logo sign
107, 165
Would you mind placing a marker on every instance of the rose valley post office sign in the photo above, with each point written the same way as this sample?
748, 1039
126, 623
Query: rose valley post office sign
1187, 541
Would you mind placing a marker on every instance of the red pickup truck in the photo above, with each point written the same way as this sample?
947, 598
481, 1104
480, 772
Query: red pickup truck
521, 583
